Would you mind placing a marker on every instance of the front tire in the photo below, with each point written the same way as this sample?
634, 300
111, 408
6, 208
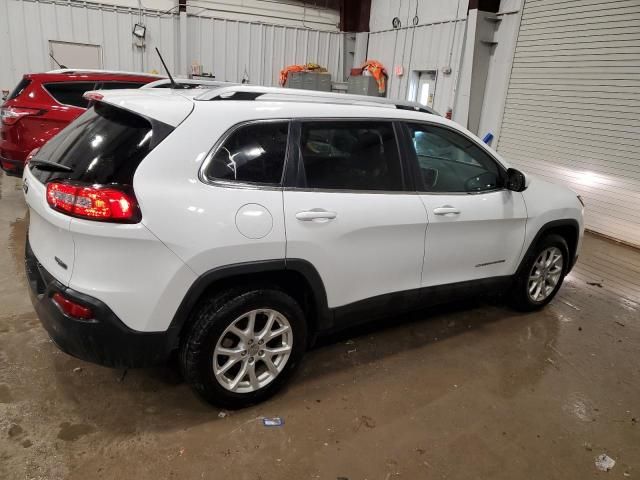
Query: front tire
541, 274
242, 347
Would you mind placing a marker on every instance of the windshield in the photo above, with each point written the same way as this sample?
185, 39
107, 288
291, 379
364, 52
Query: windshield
104, 145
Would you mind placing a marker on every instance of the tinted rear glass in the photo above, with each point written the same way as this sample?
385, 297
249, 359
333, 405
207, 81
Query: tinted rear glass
118, 85
104, 145
24, 83
350, 155
253, 153
70, 93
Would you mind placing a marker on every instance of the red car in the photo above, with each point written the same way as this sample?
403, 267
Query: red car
44, 103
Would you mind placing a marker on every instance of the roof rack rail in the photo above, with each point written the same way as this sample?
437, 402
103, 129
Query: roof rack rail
98, 70
188, 83
249, 92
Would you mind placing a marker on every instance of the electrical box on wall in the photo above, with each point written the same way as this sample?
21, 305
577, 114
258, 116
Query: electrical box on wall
309, 81
364, 85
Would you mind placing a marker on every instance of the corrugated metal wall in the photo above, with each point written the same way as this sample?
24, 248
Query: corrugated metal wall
228, 47
425, 47
27, 26
225, 46
572, 109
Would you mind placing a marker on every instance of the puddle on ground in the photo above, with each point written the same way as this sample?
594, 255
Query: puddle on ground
16, 242
70, 432
5, 394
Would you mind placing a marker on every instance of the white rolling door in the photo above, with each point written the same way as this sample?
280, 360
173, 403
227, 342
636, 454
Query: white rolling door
572, 113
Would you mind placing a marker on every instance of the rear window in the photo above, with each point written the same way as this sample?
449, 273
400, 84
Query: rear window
118, 85
104, 145
24, 83
70, 93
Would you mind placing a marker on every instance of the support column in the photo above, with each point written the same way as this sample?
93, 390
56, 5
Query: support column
183, 51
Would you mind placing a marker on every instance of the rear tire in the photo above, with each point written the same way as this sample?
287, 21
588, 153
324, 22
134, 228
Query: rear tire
243, 346
541, 274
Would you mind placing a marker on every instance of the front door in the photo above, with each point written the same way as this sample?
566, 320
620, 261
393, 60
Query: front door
476, 226
350, 213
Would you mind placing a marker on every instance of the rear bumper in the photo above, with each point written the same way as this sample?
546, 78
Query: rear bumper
12, 167
104, 340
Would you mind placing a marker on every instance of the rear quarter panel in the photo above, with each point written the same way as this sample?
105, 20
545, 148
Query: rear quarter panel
196, 220
130, 270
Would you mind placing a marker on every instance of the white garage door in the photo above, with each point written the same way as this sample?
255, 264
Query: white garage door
572, 113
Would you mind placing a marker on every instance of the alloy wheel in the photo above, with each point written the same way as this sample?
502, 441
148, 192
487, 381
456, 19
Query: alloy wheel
545, 274
252, 351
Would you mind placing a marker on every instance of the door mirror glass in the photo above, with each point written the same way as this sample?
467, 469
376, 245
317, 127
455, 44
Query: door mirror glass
515, 180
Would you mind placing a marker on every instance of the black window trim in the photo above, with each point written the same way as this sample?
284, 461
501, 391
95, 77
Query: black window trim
295, 157
202, 176
45, 85
412, 158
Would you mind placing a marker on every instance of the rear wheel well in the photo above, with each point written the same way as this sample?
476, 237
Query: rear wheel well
290, 282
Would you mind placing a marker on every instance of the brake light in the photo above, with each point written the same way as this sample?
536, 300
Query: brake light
10, 115
71, 308
32, 154
93, 96
93, 202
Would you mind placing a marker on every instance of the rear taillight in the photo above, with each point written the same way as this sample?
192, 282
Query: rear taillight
32, 154
71, 308
92, 96
10, 115
94, 202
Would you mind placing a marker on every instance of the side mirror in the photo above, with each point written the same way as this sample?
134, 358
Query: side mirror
515, 180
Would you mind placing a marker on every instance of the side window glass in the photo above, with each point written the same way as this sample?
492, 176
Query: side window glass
449, 162
70, 93
353, 155
253, 153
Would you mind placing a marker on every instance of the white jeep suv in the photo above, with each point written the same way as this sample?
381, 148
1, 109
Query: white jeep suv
234, 225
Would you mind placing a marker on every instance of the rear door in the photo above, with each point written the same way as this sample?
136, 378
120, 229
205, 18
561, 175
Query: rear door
476, 226
350, 212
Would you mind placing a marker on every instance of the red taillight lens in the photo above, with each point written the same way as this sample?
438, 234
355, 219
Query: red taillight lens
93, 96
71, 308
10, 115
93, 202
32, 154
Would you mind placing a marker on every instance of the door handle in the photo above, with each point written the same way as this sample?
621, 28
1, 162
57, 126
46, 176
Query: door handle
446, 210
320, 215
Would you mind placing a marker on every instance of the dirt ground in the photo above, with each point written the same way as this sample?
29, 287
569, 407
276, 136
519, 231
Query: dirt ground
467, 391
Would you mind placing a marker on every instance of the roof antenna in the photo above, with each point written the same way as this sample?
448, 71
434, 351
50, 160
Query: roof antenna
173, 82
57, 62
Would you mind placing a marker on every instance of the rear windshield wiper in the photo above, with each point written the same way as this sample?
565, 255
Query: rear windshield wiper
49, 166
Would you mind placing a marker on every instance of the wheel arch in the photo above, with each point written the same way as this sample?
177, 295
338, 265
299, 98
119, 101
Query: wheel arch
296, 277
569, 229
